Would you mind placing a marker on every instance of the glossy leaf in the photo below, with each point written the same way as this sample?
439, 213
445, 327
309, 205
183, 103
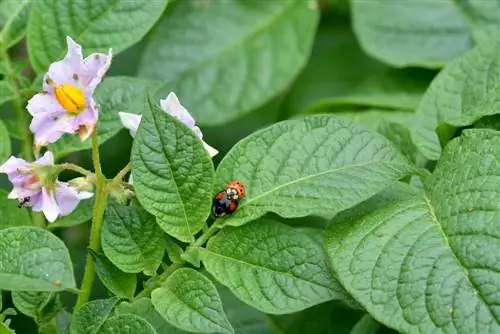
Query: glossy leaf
89, 319
318, 165
96, 26
430, 264
339, 73
33, 259
415, 33
126, 324
271, 267
226, 58
189, 301
466, 90
119, 283
169, 166
131, 239
113, 95
14, 15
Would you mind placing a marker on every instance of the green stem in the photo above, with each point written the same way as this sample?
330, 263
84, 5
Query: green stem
206, 235
75, 168
95, 231
158, 282
122, 173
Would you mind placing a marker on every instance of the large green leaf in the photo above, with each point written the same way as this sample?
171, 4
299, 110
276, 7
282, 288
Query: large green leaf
97, 26
173, 173
340, 73
271, 266
13, 18
483, 17
463, 92
226, 58
131, 239
5, 148
90, 318
189, 300
114, 94
126, 324
411, 33
33, 259
372, 118
143, 308
430, 264
119, 283
318, 165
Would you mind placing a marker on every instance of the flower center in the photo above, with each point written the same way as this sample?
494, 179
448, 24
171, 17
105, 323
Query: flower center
71, 98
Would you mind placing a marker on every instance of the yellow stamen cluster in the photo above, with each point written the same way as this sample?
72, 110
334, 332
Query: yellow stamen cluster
70, 97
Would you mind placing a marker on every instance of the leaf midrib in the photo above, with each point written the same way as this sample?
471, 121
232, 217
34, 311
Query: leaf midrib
304, 178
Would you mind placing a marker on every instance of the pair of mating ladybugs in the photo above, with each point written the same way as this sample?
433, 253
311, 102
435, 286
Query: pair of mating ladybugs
226, 201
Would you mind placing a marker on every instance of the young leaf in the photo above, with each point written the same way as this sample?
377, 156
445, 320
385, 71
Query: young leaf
97, 26
33, 259
126, 324
119, 283
340, 73
271, 267
31, 303
143, 308
429, 264
113, 95
90, 317
14, 15
318, 165
174, 251
463, 92
219, 49
82, 214
173, 173
189, 300
415, 33
131, 239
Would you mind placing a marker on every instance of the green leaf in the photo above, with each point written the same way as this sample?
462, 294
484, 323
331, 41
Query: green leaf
271, 267
5, 149
400, 137
14, 15
143, 308
113, 95
119, 283
367, 325
189, 301
372, 118
318, 165
463, 92
82, 214
174, 251
33, 259
482, 16
415, 33
31, 302
126, 324
227, 58
116, 24
13, 128
427, 264
173, 173
131, 239
340, 73
7, 92
89, 319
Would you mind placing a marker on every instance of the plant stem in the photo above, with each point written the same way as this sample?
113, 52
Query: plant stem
157, 283
123, 172
206, 235
95, 231
76, 168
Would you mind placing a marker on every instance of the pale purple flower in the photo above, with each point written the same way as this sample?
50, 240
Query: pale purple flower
172, 106
66, 104
53, 199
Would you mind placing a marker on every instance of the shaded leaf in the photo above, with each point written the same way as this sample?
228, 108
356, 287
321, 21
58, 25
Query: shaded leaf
82, 214
14, 17
89, 319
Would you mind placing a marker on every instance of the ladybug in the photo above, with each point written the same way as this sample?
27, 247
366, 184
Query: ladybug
222, 205
235, 190
24, 202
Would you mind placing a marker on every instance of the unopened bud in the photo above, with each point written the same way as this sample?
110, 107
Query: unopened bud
82, 183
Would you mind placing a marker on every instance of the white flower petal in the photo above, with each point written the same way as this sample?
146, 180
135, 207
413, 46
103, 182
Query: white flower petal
13, 194
130, 121
212, 151
49, 205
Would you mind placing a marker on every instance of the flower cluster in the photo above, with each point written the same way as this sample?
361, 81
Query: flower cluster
66, 106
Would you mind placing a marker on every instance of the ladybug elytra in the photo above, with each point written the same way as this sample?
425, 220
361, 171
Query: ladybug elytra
235, 190
226, 201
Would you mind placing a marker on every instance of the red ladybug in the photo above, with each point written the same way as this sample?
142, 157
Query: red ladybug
235, 190
222, 205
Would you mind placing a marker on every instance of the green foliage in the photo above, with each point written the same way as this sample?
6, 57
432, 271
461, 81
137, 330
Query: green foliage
131, 239
170, 165
13, 18
126, 324
99, 26
229, 50
32, 259
91, 317
10, 214
189, 301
